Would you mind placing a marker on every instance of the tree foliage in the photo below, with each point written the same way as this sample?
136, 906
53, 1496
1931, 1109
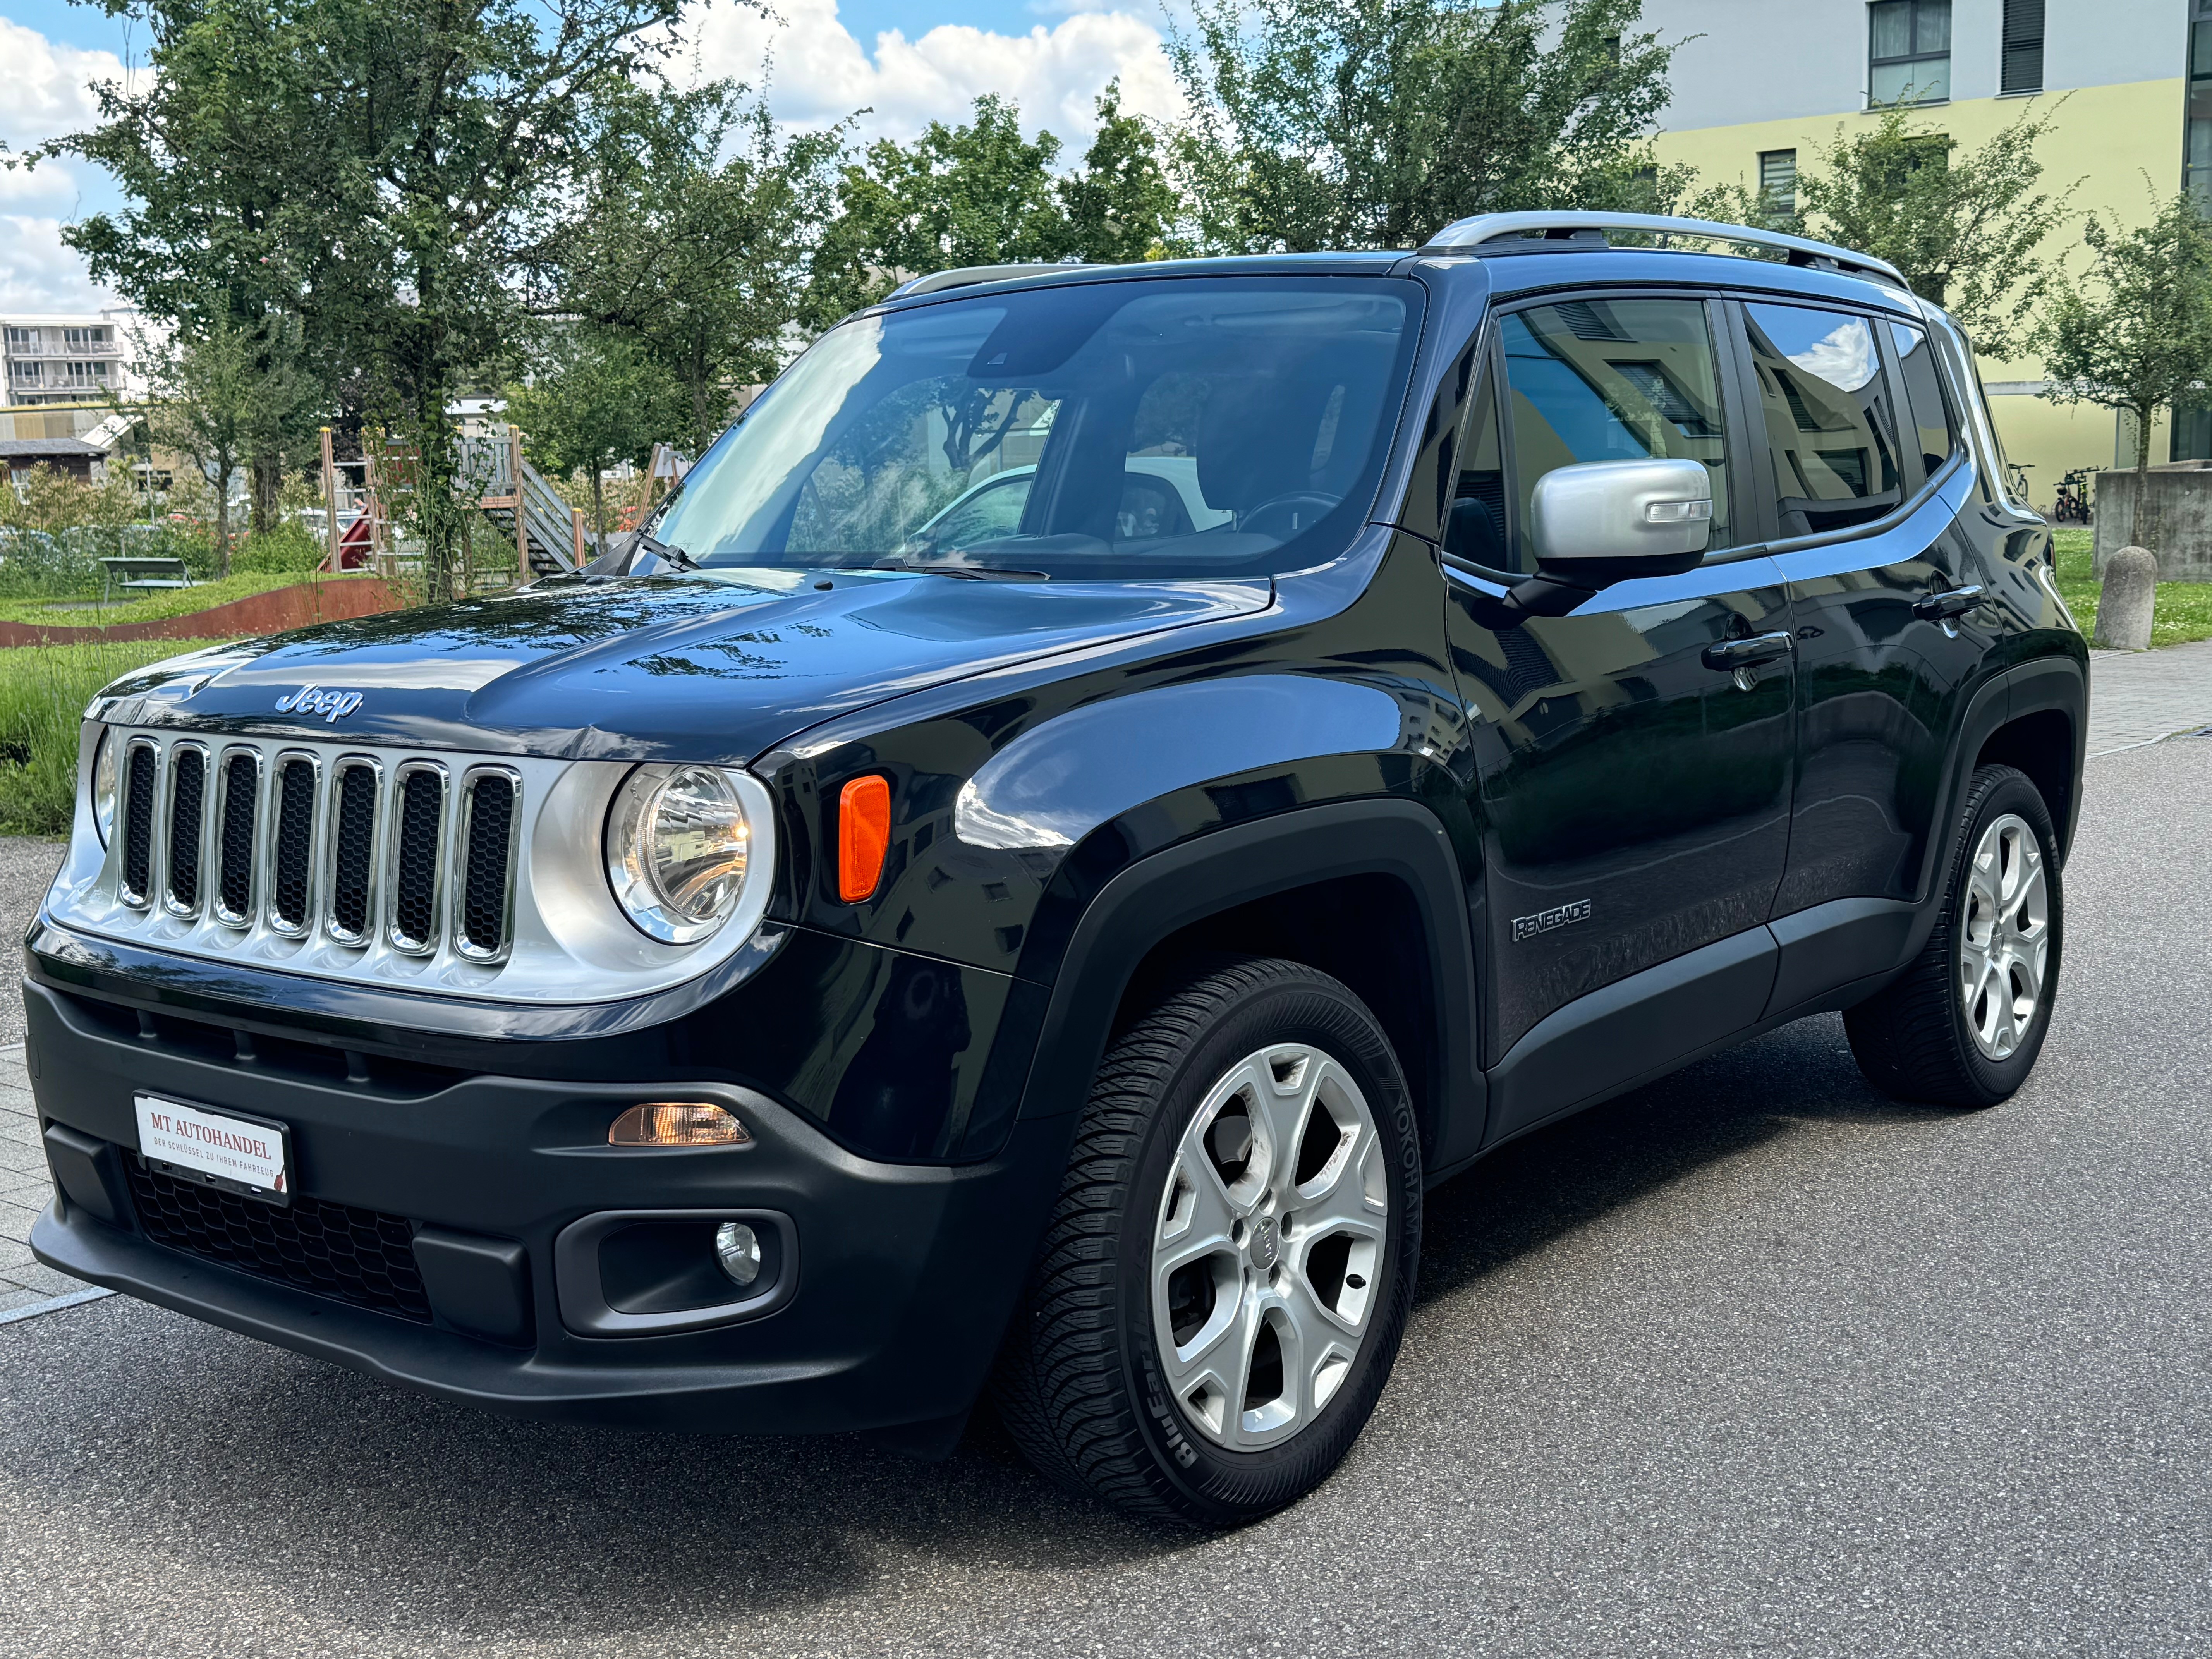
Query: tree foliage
696, 228
379, 168
2138, 335
1963, 226
225, 391
601, 399
1319, 124
983, 194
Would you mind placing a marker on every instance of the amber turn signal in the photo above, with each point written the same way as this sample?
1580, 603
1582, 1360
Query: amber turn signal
864, 835
676, 1123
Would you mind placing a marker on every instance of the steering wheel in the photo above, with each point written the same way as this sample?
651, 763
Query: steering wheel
1286, 506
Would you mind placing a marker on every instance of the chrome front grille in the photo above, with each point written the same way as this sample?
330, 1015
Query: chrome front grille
270, 837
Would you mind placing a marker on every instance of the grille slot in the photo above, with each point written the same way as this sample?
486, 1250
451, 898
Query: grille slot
418, 833
292, 855
353, 847
188, 782
359, 1257
138, 764
234, 825
488, 825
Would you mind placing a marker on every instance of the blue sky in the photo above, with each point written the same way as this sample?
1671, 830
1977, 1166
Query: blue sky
906, 63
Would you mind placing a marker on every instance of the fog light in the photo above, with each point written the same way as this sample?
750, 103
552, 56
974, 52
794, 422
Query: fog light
737, 1246
676, 1123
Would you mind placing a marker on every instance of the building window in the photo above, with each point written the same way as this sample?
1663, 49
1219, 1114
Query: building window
1777, 180
20, 339
1908, 51
2196, 135
2022, 69
78, 339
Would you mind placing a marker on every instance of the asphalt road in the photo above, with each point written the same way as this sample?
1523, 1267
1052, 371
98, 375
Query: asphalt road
1754, 1362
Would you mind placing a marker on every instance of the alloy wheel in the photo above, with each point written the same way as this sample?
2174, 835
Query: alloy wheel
1267, 1248
2004, 937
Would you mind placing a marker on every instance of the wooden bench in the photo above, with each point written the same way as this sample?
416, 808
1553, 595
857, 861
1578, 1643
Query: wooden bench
143, 575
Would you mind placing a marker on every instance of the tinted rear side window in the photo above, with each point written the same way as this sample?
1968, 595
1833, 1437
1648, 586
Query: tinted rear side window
1923, 392
1829, 436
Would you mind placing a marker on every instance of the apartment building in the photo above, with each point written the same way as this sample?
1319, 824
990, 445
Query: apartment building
69, 359
1761, 86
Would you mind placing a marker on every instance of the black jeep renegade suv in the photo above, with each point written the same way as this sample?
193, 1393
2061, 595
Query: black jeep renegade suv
1100, 789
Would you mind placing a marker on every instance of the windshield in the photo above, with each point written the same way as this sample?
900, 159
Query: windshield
1187, 426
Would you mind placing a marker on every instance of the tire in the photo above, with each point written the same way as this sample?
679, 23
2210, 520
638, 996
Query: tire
1239, 1078
1964, 1025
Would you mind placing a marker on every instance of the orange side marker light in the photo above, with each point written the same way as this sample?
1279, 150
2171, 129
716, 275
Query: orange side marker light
864, 836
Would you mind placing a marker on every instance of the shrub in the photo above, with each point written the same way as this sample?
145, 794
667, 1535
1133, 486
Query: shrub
44, 690
287, 550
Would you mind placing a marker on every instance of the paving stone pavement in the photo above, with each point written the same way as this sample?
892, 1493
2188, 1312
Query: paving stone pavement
2139, 697
24, 1189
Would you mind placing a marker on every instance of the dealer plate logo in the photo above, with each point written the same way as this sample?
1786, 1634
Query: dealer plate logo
1545, 921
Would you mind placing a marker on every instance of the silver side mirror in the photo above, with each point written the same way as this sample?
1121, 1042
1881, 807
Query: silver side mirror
1607, 521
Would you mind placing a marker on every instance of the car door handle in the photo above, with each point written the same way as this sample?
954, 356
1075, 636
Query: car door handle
1729, 655
1954, 602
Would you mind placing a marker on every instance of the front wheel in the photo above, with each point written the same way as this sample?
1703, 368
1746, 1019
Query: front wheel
1222, 1285
1964, 1023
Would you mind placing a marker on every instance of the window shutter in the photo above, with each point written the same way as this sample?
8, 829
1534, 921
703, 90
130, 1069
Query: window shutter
2023, 46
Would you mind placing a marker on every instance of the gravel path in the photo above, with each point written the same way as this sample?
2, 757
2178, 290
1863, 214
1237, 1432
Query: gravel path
1752, 1362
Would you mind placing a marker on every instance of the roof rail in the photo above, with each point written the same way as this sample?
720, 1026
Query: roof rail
1497, 233
968, 276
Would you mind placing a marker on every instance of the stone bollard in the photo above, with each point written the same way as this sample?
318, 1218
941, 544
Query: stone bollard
2123, 608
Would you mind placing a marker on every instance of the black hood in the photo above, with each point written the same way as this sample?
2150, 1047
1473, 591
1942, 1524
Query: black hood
718, 667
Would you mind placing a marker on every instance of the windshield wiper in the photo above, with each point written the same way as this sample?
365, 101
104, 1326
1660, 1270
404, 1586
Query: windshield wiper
660, 550
966, 573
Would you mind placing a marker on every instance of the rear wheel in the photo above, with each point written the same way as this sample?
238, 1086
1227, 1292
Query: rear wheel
1964, 1023
1225, 1280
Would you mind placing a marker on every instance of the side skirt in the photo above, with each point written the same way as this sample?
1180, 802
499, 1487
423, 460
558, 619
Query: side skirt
1641, 1028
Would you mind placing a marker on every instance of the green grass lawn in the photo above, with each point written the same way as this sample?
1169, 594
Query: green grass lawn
43, 692
2182, 611
167, 602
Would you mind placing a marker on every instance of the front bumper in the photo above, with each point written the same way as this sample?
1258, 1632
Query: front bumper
904, 1278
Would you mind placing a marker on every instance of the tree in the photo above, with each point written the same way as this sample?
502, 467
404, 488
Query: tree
206, 383
1120, 207
2138, 336
604, 400
216, 232
975, 195
1962, 226
389, 162
1319, 123
697, 230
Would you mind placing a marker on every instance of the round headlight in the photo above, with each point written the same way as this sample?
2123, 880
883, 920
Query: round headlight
107, 756
677, 847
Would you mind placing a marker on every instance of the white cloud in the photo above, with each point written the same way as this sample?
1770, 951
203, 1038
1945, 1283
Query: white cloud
47, 93
818, 73
37, 273
47, 85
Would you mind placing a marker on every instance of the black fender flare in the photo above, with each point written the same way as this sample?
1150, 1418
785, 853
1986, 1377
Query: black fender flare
2058, 681
1167, 891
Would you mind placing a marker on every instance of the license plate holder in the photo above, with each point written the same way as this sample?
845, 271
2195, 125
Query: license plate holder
231, 1152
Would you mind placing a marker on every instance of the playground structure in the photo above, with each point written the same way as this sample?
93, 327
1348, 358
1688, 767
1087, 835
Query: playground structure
363, 501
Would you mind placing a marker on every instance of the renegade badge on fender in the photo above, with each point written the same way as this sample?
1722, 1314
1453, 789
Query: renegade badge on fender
1100, 790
